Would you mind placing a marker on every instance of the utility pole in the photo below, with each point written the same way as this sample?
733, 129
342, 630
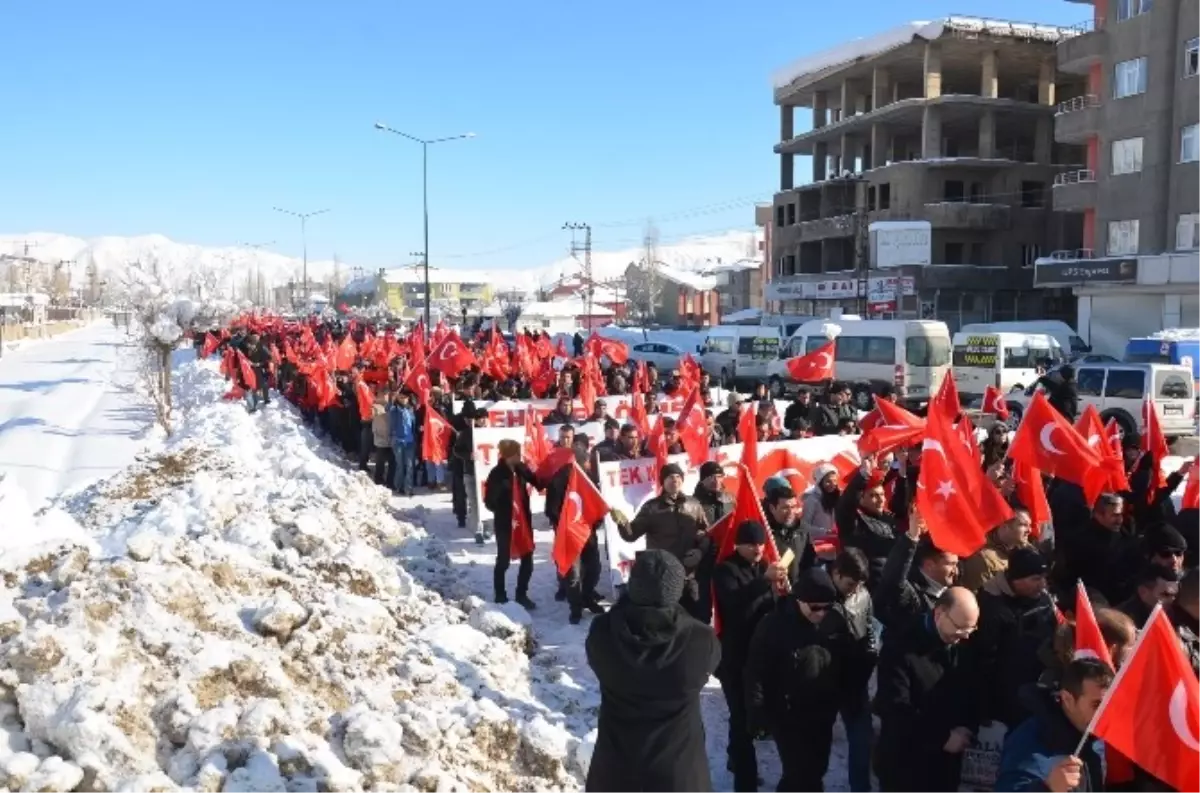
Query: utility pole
650, 257
26, 266
586, 250
862, 257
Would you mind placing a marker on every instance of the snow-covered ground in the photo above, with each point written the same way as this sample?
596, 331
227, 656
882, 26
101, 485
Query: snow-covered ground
69, 411
239, 611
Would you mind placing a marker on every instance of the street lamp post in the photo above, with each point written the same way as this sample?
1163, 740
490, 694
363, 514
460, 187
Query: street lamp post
425, 144
304, 216
257, 246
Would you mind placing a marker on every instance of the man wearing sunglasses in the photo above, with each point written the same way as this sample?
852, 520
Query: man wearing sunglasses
793, 680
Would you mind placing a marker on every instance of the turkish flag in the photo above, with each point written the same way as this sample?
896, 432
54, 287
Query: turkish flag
993, 403
249, 378
1150, 714
637, 414
782, 462
347, 351
1191, 490
813, 367
435, 436
1031, 492
959, 504
451, 356
1154, 443
947, 399
871, 419
724, 533
616, 351
1046, 441
537, 445
417, 380
363, 399
846, 463
748, 432
522, 530
553, 462
582, 507
211, 342
656, 447
1089, 427
896, 427
1089, 642
692, 426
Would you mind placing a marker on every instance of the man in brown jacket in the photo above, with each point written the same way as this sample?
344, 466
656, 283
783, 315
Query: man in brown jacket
992, 559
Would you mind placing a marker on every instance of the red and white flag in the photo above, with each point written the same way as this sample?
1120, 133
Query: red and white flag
815, 366
582, 507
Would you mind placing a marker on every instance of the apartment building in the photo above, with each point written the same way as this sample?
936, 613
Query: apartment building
948, 124
1137, 191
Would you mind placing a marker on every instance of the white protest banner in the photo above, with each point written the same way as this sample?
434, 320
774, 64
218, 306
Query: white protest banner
628, 484
511, 413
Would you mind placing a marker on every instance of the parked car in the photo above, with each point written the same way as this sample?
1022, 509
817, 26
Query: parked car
665, 357
1117, 390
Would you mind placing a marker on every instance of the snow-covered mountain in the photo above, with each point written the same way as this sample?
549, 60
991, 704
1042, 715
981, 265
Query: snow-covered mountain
112, 254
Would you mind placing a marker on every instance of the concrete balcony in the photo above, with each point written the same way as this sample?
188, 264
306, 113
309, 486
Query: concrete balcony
1074, 191
963, 215
812, 230
1080, 52
1077, 119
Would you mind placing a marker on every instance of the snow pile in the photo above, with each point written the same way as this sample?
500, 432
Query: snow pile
240, 613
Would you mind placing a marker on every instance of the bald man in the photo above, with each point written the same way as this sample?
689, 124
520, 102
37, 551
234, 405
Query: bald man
926, 693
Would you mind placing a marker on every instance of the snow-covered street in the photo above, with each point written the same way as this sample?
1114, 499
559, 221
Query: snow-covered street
69, 414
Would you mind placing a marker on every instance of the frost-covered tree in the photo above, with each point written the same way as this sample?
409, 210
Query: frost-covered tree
164, 319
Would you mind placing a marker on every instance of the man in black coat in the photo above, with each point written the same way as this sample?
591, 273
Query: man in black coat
498, 498
792, 681
745, 587
914, 576
782, 509
926, 697
1016, 618
652, 660
1099, 552
862, 519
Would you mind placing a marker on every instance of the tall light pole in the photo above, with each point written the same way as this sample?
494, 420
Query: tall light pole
257, 246
304, 216
425, 144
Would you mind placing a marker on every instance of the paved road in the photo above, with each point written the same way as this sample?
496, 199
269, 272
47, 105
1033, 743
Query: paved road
69, 414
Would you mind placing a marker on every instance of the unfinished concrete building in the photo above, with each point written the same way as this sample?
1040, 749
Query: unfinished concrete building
951, 123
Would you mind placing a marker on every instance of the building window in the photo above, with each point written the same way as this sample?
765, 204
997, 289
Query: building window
952, 190
1129, 78
1189, 143
954, 253
1191, 57
1187, 232
1030, 252
1122, 237
1128, 9
885, 196
1033, 194
1126, 156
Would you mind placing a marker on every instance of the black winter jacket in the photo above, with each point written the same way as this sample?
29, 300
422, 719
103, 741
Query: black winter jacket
498, 495
874, 535
1011, 631
652, 665
791, 674
903, 592
743, 598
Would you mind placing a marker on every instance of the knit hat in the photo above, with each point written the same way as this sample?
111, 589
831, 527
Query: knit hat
823, 470
1025, 562
1165, 538
750, 532
656, 579
711, 468
815, 586
670, 469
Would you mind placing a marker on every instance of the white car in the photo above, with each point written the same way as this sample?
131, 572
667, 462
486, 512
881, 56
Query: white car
1118, 390
665, 357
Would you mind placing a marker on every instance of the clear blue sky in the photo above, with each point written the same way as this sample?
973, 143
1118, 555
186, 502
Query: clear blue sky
193, 119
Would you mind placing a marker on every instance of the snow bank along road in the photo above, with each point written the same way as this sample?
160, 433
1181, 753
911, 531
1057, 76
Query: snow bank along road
239, 612
69, 414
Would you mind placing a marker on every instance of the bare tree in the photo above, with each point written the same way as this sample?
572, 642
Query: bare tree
163, 320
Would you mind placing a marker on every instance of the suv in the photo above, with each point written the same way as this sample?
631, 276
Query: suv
1118, 390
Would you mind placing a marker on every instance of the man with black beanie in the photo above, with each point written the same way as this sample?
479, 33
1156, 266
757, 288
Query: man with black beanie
652, 661
792, 681
673, 521
745, 588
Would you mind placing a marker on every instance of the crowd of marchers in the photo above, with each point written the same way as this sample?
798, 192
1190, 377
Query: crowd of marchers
795, 601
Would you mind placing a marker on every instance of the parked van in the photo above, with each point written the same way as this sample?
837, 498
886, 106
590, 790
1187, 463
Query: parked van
739, 354
1070, 341
911, 355
1117, 390
1179, 346
1007, 361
